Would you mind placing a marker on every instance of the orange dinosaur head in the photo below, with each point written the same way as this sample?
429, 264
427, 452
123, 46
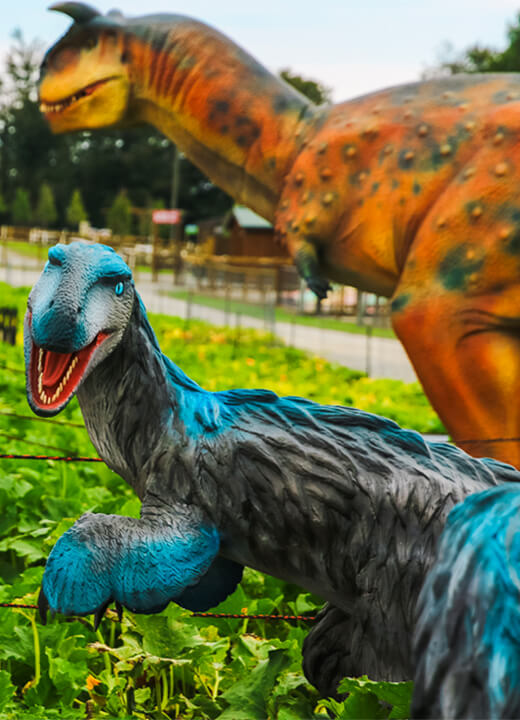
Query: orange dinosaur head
84, 82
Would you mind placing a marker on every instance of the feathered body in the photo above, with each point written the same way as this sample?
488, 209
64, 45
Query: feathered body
341, 502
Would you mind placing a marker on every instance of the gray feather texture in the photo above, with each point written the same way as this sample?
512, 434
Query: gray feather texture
341, 502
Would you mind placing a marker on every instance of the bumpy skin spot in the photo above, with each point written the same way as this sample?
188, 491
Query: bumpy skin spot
386, 179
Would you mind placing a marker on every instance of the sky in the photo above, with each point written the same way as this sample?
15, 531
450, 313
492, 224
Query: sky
350, 46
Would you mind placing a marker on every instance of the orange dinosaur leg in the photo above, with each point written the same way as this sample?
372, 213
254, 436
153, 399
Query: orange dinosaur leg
457, 310
468, 360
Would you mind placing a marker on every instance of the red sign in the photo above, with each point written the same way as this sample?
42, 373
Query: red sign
166, 217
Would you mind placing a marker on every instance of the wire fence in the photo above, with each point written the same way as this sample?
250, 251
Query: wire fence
71, 458
209, 615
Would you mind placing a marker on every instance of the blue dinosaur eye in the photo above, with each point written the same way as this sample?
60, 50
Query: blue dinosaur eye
119, 288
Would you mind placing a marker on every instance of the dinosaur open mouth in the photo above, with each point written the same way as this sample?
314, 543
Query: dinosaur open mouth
49, 108
55, 376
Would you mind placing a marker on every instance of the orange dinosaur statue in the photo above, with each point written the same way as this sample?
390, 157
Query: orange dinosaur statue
412, 192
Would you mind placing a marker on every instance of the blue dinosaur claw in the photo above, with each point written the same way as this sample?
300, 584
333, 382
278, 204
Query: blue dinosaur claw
43, 606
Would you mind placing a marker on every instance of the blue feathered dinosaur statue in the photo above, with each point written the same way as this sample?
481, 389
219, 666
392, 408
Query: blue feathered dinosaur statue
467, 639
344, 503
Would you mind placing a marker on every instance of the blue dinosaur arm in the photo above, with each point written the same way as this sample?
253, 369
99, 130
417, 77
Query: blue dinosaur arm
141, 564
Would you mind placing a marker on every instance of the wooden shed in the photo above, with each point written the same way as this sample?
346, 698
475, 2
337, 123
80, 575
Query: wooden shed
243, 233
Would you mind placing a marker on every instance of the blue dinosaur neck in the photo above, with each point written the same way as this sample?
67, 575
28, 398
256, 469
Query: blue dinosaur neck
133, 399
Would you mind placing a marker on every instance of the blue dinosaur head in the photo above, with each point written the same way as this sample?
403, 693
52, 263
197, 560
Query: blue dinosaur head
76, 315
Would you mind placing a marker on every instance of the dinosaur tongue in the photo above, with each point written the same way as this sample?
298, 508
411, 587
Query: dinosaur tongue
55, 376
54, 366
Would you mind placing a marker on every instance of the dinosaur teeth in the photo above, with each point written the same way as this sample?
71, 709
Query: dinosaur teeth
55, 376
44, 397
56, 107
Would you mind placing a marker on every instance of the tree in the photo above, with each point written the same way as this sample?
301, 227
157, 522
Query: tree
46, 214
312, 89
119, 217
477, 58
3, 205
76, 212
21, 209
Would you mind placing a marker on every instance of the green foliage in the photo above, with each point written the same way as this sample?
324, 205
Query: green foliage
76, 212
170, 665
45, 213
315, 91
119, 217
478, 58
371, 700
21, 210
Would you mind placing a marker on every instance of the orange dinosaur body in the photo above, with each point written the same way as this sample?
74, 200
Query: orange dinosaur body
412, 193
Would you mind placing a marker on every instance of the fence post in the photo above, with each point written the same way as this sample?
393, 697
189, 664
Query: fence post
4, 236
360, 307
368, 362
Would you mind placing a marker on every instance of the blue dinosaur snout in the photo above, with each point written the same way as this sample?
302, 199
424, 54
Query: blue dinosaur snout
58, 325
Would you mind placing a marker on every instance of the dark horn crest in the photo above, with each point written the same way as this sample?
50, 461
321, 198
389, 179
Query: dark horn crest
79, 12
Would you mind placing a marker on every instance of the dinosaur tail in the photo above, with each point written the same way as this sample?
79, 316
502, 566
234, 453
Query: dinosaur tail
467, 636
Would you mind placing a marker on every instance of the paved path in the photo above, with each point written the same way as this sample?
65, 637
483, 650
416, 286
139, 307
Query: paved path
382, 357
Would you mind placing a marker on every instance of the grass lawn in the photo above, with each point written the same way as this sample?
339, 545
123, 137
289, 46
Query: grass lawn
281, 315
26, 249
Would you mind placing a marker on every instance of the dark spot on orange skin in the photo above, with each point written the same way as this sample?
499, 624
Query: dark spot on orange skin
356, 179
400, 302
513, 246
221, 106
218, 109
405, 159
474, 210
457, 266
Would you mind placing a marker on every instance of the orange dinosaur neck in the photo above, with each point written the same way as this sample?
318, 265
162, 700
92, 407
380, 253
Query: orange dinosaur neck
240, 124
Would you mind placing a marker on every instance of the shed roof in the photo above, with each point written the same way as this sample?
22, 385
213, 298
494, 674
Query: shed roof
248, 219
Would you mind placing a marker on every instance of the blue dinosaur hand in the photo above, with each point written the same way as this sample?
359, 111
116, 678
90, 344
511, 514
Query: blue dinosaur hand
140, 564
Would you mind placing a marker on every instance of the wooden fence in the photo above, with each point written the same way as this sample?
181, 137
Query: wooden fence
265, 281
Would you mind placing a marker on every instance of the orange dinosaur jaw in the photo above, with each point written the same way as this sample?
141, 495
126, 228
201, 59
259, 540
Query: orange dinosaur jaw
59, 106
54, 377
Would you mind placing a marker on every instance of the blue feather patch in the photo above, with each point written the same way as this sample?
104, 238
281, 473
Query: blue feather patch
142, 564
